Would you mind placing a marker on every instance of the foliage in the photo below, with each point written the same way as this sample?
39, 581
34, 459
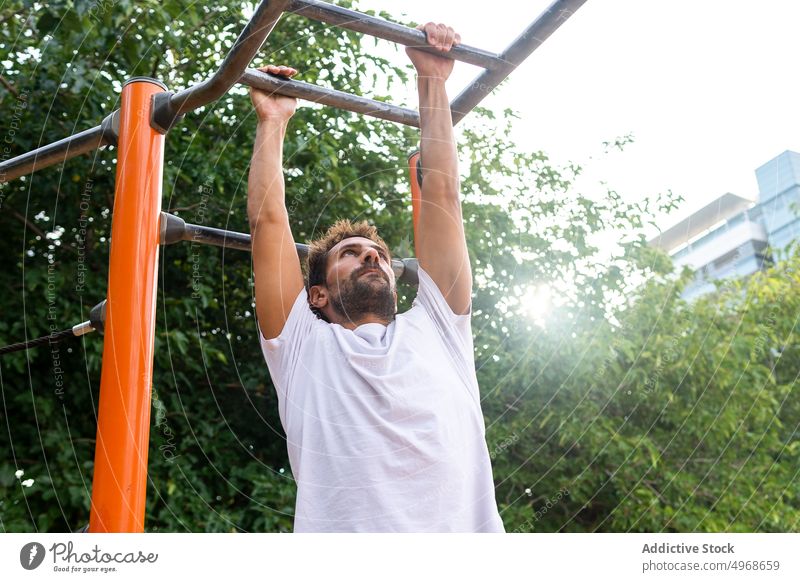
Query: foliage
681, 417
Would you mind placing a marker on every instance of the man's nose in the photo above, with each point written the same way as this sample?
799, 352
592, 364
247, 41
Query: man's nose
370, 255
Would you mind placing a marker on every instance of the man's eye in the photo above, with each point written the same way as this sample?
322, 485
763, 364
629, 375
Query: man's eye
351, 251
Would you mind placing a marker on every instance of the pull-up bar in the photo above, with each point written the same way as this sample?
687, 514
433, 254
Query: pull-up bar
174, 229
169, 107
519, 50
380, 28
62, 150
332, 97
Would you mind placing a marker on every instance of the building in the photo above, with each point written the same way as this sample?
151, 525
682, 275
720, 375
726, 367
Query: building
779, 198
735, 236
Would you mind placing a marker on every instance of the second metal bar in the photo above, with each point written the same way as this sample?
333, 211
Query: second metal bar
547, 23
332, 97
380, 28
174, 229
172, 106
61, 150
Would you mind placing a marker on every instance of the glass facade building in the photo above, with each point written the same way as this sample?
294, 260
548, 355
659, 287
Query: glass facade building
735, 236
779, 198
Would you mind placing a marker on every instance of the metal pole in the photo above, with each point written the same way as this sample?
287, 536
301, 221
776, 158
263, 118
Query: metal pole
171, 106
380, 28
415, 176
62, 150
313, 93
174, 229
547, 23
123, 424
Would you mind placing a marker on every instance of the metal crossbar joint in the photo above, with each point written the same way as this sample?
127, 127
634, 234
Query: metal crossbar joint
109, 127
165, 114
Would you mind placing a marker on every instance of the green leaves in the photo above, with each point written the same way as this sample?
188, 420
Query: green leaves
689, 428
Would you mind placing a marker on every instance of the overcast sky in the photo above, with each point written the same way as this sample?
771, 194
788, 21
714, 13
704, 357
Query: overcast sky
708, 88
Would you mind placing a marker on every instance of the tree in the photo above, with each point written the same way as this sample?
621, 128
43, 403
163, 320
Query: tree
679, 417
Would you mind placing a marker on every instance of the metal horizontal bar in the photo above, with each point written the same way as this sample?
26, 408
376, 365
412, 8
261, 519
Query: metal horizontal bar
380, 28
224, 238
241, 53
547, 23
332, 97
174, 229
62, 150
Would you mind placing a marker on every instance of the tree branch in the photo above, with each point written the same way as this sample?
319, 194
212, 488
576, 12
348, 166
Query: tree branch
184, 208
39, 231
29, 224
155, 66
11, 89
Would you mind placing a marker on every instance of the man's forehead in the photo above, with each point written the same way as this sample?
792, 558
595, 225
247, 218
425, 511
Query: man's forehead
355, 241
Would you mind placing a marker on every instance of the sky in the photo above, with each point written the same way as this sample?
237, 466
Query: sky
709, 89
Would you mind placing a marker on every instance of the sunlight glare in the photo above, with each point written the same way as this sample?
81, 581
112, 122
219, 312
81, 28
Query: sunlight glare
535, 303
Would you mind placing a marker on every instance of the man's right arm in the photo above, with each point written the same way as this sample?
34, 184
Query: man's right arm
276, 266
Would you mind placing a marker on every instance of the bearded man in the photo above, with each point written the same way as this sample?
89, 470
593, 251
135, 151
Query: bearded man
381, 410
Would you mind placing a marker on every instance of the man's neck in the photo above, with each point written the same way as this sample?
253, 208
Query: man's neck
368, 318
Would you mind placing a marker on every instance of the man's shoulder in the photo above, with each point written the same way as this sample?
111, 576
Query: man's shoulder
417, 314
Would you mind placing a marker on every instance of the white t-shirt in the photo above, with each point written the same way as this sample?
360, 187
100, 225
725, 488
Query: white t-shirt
384, 426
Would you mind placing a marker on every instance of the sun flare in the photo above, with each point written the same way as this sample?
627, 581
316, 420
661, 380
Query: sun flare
535, 302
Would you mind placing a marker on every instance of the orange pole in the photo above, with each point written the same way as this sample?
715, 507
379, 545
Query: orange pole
416, 192
123, 424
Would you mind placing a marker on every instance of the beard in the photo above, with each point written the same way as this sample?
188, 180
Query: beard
358, 296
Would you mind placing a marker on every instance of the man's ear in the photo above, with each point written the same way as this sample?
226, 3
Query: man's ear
318, 296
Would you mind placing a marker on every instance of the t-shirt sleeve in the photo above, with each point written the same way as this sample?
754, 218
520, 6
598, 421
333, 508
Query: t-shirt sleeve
282, 353
455, 329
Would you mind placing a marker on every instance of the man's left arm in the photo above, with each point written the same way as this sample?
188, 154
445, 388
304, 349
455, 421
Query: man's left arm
442, 246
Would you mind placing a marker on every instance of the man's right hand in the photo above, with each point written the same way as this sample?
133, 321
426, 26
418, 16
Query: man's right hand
271, 106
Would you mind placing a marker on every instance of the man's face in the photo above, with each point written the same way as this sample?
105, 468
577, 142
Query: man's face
360, 280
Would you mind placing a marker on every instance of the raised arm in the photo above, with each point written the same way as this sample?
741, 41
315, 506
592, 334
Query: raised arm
276, 266
442, 247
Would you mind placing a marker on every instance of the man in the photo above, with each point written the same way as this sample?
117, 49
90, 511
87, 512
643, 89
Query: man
382, 411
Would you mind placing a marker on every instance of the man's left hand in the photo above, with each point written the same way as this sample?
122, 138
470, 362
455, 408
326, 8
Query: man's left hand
441, 37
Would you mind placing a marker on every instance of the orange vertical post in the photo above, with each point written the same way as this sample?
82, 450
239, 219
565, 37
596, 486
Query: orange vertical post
416, 192
123, 424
